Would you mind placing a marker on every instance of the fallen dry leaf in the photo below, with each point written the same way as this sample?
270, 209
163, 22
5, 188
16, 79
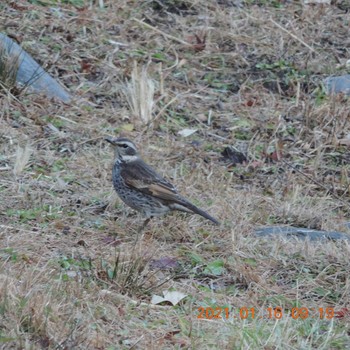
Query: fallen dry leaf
172, 297
187, 132
165, 263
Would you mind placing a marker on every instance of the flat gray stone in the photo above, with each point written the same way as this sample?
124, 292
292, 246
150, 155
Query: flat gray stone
31, 73
302, 233
335, 85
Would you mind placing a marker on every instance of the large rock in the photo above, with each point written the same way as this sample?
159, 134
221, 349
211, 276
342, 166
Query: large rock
31, 73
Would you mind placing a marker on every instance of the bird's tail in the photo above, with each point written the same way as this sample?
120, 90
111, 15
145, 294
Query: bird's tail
198, 211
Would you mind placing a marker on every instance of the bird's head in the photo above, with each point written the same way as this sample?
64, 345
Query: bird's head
125, 150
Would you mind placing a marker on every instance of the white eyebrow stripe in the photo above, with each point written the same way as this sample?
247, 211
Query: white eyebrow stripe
130, 144
127, 158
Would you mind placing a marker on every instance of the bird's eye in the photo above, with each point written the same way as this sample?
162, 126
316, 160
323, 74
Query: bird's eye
125, 146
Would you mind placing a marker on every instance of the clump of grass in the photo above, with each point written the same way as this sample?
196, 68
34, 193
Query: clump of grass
139, 92
9, 65
132, 275
22, 159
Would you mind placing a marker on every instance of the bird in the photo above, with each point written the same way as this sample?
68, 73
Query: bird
140, 187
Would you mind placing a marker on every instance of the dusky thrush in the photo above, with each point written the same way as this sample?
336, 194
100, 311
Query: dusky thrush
142, 188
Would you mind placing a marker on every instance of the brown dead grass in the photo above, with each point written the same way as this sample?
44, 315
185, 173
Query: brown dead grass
249, 77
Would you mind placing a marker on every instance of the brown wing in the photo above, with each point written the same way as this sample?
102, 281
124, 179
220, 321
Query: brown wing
143, 178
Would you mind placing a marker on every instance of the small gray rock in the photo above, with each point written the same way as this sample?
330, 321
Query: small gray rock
31, 73
299, 232
335, 85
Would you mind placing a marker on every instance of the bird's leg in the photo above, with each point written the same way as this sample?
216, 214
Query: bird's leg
142, 227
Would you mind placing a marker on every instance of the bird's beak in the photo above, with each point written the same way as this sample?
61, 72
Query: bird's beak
110, 140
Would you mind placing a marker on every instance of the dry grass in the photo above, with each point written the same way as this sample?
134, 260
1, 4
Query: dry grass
74, 276
139, 93
8, 68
